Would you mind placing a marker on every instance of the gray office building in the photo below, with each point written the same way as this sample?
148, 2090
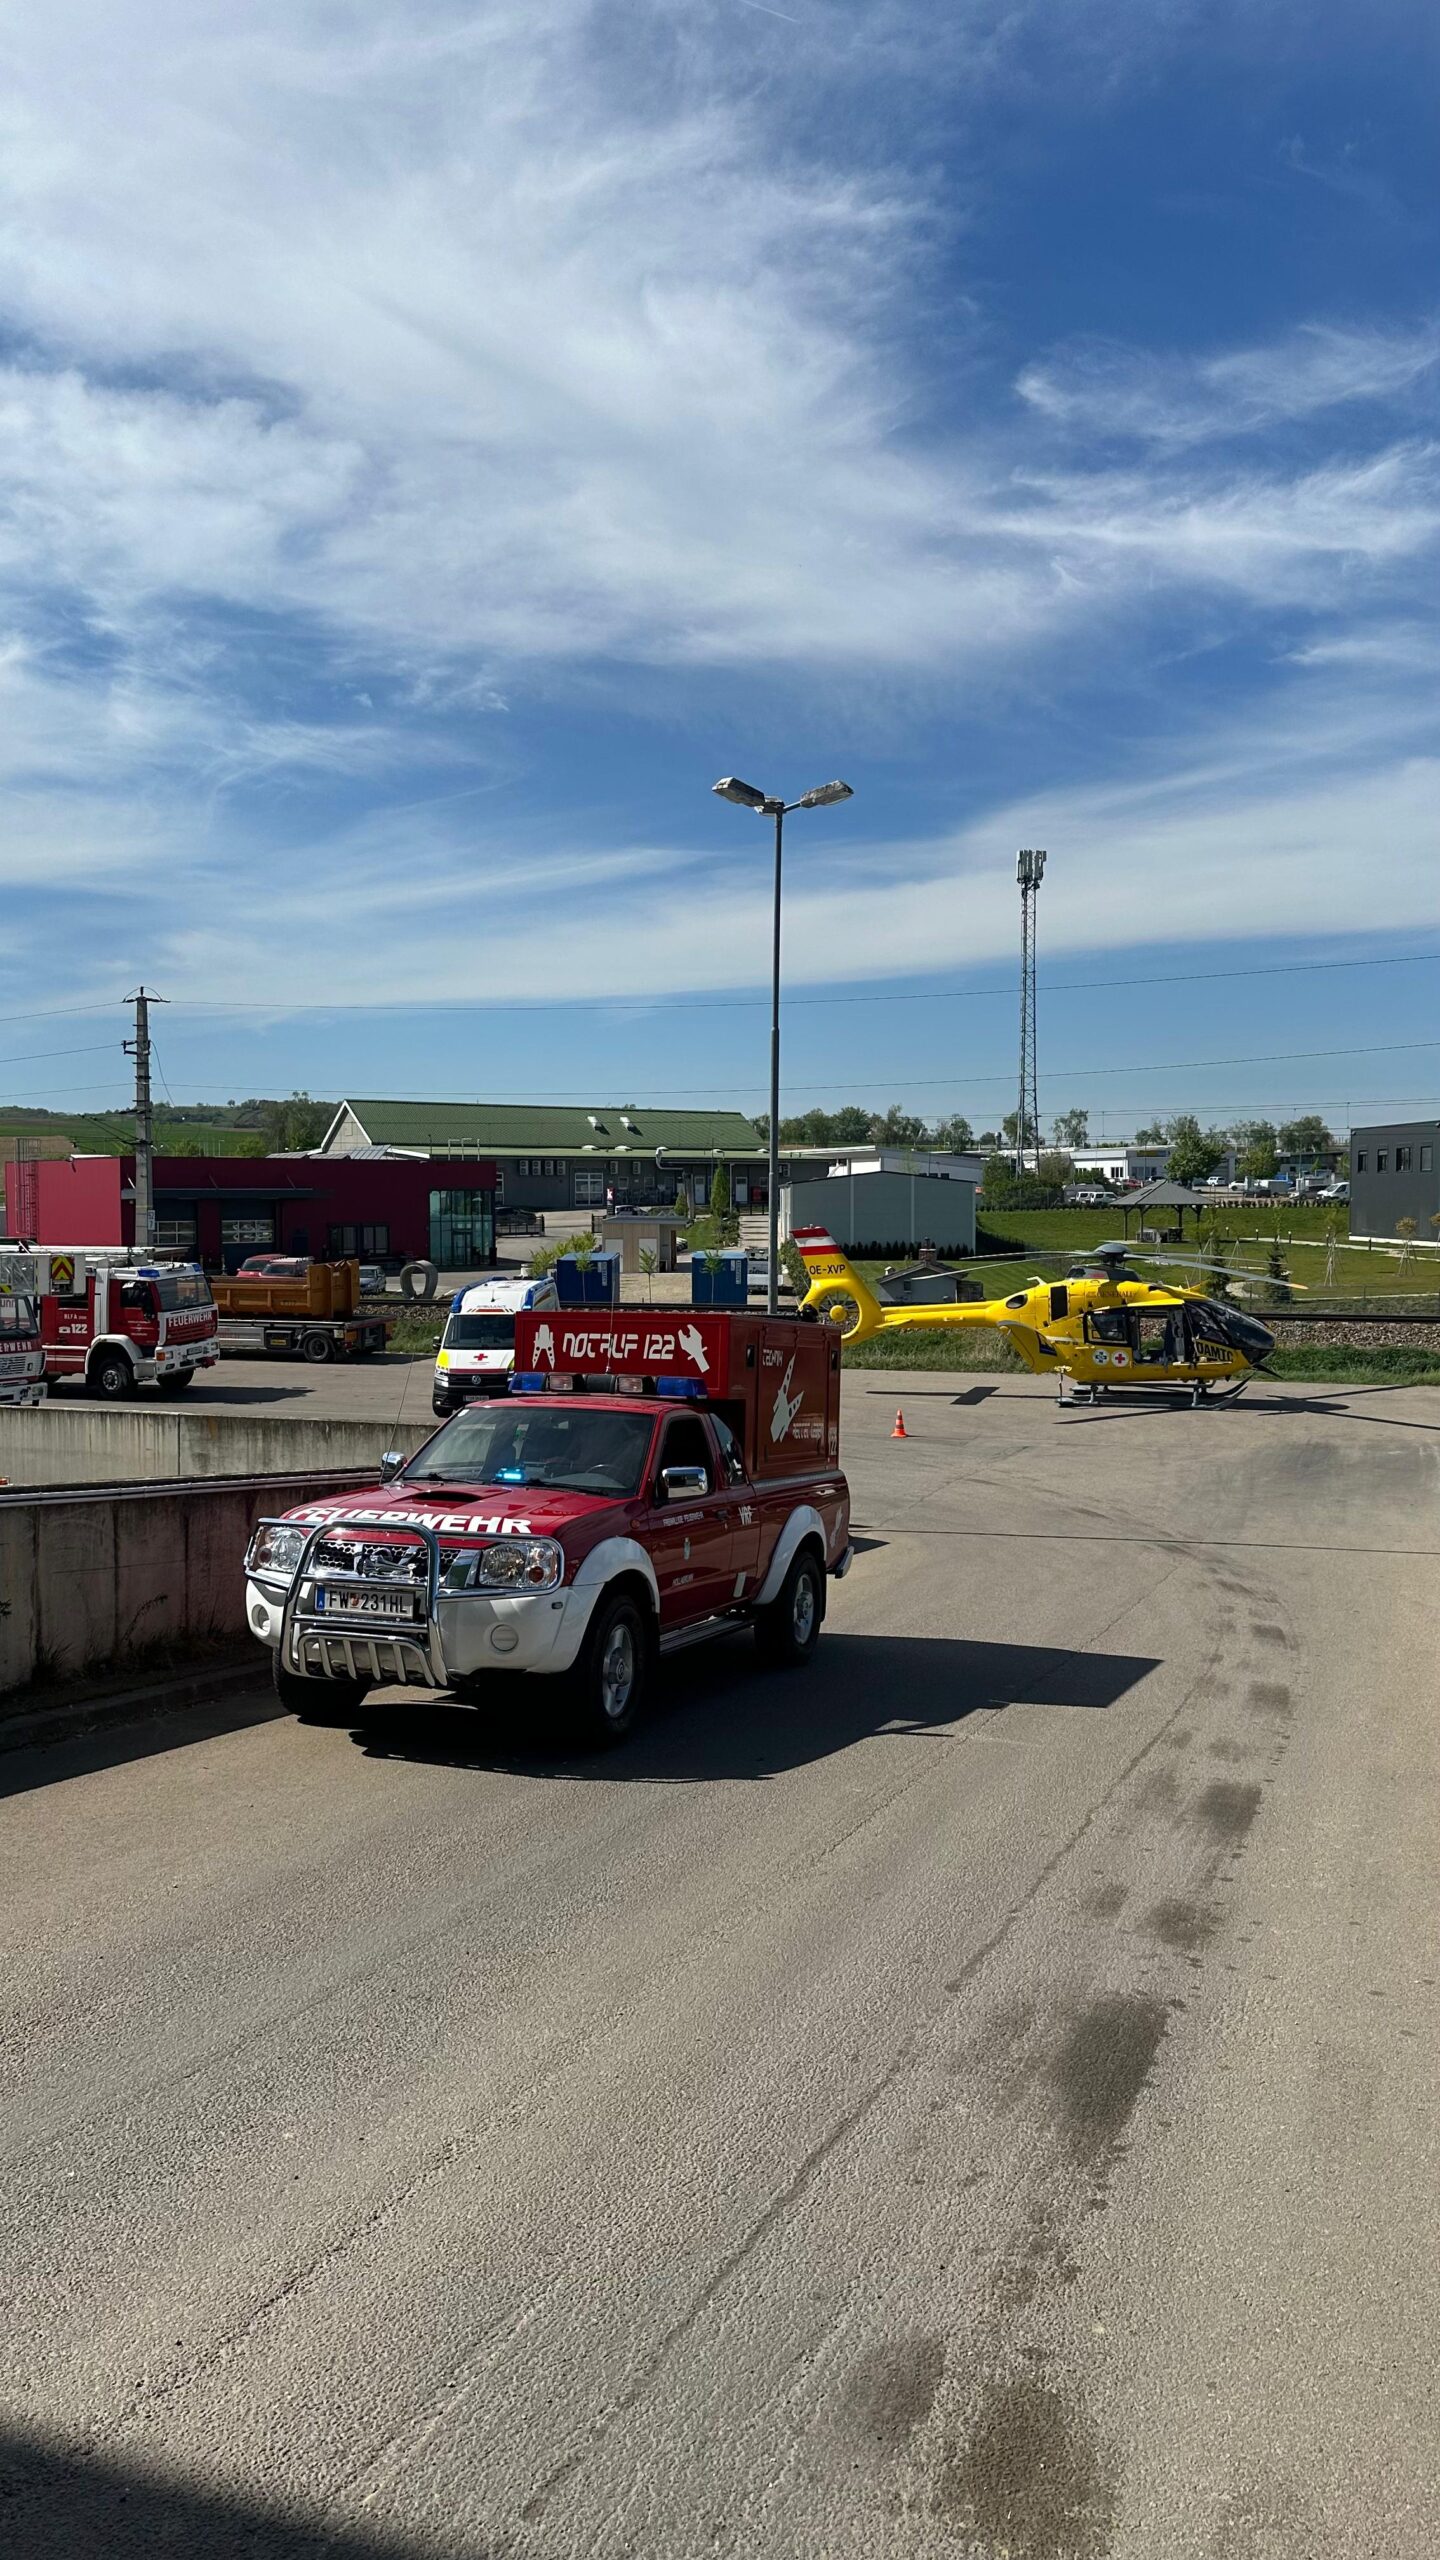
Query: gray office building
1395, 1173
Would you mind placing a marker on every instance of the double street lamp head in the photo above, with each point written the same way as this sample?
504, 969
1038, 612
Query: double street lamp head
745, 796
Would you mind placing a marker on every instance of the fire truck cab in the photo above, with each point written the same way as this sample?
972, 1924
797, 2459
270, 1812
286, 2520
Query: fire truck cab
121, 1324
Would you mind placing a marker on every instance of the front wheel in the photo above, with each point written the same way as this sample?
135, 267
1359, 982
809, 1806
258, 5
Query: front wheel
317, 1701
788, 1631
112, 1377
177, 1382
609, 1682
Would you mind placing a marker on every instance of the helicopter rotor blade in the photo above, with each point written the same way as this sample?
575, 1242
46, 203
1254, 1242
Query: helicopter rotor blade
1180, 1261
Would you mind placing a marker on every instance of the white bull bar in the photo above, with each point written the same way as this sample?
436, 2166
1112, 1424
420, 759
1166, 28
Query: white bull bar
311, 1644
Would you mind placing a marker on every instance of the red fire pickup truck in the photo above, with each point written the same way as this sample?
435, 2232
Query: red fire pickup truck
654, 1476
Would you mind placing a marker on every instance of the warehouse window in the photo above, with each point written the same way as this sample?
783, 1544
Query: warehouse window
1360, 1160
1427, 1157
247, 1231
589, 1188
366, 1242
1382, 1159
1402, 1159
176, 1234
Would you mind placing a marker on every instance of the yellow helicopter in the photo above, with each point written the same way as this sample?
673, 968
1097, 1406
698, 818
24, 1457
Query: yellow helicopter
1103, 1326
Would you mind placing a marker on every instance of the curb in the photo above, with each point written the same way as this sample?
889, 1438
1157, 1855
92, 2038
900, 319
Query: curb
29, 1723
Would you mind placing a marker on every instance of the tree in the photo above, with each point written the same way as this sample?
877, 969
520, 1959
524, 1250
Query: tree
1194, 1152
1010, 1126
1277, 1284
682, 1203
1255, 1150
897, 1128
723, 1220
649, 1264
1307, 1136
1072, 1129
1055, 1167
1153, 1136
998, 1178
954, 1135
295, 1123
988, 1139
1407, 1229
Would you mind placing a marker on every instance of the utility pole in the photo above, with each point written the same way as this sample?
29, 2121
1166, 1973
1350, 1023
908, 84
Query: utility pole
1029, 871
139, 1050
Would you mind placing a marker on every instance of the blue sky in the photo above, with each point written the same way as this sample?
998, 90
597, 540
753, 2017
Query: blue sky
435, 444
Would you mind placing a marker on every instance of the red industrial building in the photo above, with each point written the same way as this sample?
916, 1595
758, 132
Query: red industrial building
218, 1209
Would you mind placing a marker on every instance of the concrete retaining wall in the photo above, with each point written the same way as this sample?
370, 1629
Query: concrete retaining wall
94, 1582
59, 1443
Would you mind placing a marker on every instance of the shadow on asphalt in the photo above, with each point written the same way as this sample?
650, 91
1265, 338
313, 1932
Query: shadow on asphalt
716, 1715
62, 2506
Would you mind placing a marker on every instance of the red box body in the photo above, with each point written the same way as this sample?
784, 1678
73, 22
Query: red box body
778, 1376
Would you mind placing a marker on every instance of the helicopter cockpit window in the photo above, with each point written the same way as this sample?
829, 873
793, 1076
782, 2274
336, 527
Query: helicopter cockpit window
1159, 1338
1108, 1324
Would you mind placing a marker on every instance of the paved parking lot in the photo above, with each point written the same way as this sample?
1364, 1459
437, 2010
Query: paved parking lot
976, 2097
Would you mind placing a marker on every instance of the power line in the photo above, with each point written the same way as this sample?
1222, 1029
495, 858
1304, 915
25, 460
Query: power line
611, 1003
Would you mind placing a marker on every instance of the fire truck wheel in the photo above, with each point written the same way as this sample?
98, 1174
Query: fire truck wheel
610, 1680
177, 1382
788, 1631
317, 1701
112, 1377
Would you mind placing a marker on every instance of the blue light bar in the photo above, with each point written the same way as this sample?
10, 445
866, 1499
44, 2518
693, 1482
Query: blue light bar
455, 1302
527, 1382
693, 1387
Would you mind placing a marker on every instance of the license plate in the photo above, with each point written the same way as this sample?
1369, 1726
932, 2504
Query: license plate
368, 1604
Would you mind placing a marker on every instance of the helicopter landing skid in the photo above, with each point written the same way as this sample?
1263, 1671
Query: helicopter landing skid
1197, 1390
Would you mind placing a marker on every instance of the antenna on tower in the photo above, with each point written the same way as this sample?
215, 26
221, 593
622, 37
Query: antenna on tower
1029, 871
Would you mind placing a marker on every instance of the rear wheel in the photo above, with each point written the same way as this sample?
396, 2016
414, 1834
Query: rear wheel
317, 1347
789, 1630
317, 1701
112, 1377
609, 1683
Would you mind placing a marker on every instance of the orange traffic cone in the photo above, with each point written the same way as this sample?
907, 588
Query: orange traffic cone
899, 1432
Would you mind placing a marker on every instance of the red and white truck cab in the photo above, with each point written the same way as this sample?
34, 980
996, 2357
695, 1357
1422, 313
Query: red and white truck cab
22, 1361
121, 1324
653, 1477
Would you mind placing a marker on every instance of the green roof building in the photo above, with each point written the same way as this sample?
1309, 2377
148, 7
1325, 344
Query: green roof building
563, 1156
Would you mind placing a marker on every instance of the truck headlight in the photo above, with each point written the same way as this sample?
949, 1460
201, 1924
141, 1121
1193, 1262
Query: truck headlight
275, 1549
512, 1564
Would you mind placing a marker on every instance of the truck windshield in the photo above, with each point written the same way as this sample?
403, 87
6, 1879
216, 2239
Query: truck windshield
176, 1289
480, 1333
575, 1450
18, 1316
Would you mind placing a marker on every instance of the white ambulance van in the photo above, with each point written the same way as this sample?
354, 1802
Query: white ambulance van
477, 1347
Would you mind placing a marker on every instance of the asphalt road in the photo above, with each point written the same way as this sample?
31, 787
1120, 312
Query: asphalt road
977, 2097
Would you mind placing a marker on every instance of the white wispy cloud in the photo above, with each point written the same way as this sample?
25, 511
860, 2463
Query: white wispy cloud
441, 352
1168, 399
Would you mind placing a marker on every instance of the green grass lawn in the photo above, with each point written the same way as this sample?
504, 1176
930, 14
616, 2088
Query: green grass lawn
1361, 1271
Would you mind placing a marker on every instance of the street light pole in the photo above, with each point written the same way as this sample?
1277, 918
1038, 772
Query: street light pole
745, 796
773, 1292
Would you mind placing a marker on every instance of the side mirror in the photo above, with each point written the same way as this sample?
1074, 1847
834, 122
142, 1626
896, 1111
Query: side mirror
391, 1464
683, 1482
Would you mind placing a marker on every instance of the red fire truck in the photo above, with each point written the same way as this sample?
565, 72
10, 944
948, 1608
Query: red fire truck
121, 1324
654, 1476
22, 1362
